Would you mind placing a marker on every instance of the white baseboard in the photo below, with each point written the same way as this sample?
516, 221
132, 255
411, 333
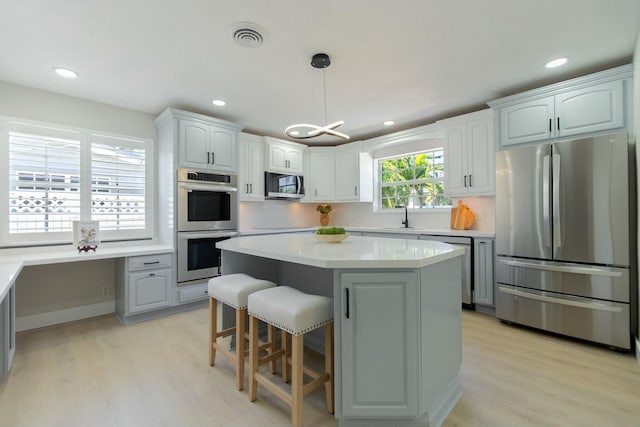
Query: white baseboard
40, 320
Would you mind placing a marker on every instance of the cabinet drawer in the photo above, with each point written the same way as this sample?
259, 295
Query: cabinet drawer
149, 262
193, 293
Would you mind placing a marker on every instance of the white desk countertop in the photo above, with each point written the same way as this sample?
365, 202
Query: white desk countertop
354, 252
12, 260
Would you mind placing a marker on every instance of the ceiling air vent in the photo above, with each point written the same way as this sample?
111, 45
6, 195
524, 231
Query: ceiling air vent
247, 34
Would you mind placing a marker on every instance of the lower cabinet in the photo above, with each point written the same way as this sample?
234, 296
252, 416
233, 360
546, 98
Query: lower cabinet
483, 260
143, 283
7, 330
148, 290
379, 318
193, 293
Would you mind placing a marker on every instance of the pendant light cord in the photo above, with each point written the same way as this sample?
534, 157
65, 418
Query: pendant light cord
324, 89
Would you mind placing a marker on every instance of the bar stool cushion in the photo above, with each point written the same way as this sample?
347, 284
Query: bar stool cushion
291, 310
233, 289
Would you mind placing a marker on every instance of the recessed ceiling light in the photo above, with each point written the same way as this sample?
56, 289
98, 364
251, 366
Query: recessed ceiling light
65, 72
294, 133
389, 123
219, 102
556, 63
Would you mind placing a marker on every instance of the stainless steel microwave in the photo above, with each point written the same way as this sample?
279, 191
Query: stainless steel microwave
283, 186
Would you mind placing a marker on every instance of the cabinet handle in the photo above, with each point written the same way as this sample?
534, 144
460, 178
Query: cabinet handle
558, 128
316, 192
550, 125
470, 184
151, 274
251, 188
151, 263
208, 157
346, 314
355, 189
213, 158
465, 181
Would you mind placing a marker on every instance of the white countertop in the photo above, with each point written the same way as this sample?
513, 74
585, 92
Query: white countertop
12, 260
396, 230
354, 252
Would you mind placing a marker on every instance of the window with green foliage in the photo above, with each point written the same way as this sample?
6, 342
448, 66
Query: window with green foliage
415, 181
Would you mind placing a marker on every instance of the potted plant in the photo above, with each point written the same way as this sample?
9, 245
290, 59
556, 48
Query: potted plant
324, 210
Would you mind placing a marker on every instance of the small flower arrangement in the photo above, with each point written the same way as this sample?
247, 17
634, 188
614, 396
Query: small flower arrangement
324, 208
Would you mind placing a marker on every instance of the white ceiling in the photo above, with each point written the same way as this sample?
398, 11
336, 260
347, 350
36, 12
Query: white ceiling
412, 61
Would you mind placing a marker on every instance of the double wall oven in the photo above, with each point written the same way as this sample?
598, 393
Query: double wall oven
207, 213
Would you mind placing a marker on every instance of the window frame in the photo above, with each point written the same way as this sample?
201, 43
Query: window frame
410, 146
85, 136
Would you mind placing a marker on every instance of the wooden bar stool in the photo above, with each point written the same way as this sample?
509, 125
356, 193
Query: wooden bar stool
294, 313
233, 290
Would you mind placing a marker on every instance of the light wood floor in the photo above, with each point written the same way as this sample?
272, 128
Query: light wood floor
99, 373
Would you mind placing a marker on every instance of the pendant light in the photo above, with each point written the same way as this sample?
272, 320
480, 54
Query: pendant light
305, 130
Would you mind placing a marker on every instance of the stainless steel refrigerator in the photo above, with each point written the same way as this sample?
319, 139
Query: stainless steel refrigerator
565, 238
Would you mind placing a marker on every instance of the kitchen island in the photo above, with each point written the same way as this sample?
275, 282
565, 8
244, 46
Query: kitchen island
397, 318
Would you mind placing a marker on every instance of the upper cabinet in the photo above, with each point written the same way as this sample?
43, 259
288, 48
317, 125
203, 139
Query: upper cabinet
469, 154
202, 142
284, 156
320, 180
581, 106
339, 174
354, 174
207, 147
251, 167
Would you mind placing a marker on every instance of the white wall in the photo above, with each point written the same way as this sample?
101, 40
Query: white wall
34, 104
43, 289
361, 214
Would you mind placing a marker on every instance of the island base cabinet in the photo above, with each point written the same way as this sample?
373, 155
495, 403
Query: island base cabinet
378, 317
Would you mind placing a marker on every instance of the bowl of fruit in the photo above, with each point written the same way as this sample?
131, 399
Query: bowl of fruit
331, 234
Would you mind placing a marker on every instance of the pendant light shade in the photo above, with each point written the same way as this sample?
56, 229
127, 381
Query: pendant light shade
307, 131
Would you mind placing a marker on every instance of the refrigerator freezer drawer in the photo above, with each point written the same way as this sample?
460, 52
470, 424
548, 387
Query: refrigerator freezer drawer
593, 320
590, 281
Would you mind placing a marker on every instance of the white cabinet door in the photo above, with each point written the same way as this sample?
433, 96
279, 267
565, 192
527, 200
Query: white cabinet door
379, 318
321, 176
455, 158
527, 122
481, 169
469, 153
348, 175
222, 149
149, 290
483, 261
193, 143
295, 160
591, 109
251, 167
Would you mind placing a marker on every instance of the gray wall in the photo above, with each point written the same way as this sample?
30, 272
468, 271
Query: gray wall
636, 134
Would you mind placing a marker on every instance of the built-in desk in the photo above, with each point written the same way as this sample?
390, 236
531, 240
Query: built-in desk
13, 260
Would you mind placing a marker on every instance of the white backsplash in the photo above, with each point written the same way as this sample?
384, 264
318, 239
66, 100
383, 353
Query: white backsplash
276, 213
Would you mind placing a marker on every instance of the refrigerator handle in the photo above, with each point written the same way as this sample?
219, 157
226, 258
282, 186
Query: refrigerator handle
557, 234
545, 201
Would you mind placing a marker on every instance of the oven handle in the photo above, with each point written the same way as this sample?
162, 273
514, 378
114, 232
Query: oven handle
206, 235
205, 187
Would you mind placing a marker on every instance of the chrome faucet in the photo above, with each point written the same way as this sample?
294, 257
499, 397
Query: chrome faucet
406, 216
